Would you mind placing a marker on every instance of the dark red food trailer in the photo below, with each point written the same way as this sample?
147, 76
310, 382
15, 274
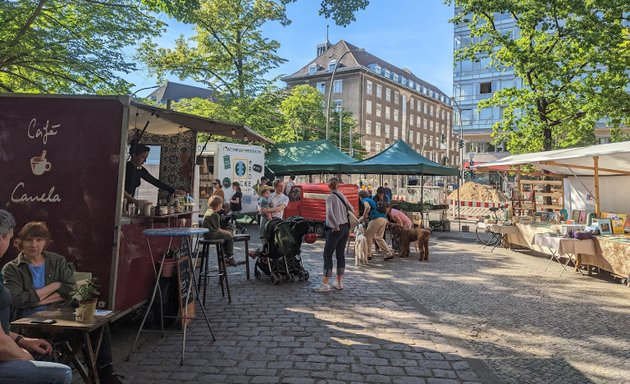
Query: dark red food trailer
62, 161
309, 201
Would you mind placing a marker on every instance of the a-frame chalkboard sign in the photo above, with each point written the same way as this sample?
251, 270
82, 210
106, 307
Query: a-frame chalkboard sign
185, 280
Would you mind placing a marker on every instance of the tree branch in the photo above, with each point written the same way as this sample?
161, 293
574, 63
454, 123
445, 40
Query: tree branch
28, 24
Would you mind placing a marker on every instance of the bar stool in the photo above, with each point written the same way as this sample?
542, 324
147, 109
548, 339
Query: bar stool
204, 271
244, 238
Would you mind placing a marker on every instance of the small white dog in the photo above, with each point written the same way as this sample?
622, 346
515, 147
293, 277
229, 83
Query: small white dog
360, 246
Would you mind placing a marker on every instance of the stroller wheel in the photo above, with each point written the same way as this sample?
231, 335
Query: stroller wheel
300, 275
275, 279
257, 274
292, 278
306, 275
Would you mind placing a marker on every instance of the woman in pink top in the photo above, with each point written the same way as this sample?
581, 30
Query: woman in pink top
399, 217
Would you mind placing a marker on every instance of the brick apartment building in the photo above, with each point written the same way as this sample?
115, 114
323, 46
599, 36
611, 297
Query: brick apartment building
389, 103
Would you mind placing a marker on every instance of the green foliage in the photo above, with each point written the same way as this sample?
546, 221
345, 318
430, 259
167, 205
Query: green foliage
228, 53
348, 122
85, 292
303, 111
572, 56
342, 11
70, 46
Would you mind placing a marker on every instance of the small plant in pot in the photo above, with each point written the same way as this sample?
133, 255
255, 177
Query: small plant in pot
86, 294
170, 262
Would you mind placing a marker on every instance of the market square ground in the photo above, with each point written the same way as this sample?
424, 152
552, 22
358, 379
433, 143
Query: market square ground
466, 316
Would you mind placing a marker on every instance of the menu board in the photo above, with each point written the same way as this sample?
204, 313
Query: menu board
185, 280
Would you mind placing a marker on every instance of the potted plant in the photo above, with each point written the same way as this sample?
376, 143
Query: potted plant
170, 262
86, 294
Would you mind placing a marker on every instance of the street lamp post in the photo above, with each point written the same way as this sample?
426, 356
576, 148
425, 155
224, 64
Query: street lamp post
461, 162
330, 87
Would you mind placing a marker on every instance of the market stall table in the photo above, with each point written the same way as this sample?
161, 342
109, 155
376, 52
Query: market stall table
65, 324
564, 247
188, 237
612, 255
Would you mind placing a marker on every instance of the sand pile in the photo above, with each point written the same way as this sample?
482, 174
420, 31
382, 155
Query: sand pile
472, 191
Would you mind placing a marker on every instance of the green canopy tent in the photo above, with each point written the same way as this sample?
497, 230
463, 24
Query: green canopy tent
306, 158
399, 159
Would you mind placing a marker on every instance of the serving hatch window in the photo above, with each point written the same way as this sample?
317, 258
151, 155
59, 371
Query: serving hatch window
147, 191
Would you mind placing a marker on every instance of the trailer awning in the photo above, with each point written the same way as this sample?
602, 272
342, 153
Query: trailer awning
168, 122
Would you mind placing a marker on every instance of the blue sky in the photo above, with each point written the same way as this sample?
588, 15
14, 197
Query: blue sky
412, 34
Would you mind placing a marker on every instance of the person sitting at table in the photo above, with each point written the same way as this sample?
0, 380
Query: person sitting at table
212, 221
39, 280
17, 364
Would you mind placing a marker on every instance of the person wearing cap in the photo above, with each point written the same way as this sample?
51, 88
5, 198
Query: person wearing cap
17, 364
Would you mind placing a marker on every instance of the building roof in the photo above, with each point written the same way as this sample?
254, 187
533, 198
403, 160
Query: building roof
359, 59
176, 92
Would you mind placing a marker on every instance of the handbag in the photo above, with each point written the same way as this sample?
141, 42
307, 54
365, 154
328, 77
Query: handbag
352, 219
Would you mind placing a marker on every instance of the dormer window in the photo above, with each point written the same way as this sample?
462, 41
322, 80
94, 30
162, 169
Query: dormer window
387, 74
331, 65
312, 69
395, 77
411, 84
377, 69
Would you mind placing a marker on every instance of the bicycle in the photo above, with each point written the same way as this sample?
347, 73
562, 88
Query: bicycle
486, 236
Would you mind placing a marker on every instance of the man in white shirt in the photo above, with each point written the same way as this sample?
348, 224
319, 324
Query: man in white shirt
278, 200
289, 185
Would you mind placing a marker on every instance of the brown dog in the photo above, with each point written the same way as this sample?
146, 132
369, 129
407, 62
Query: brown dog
408, 236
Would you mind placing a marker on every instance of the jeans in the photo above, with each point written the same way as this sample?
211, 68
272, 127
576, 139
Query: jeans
336, 242
34, 372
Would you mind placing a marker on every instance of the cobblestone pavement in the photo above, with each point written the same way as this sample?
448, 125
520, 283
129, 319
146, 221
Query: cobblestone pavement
529, 325
404, 322
367, 333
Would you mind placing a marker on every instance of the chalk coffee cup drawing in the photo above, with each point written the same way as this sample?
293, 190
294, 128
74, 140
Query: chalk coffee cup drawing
39, 164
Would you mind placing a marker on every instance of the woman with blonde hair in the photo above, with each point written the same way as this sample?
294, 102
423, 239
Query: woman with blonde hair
212, 221
337, 207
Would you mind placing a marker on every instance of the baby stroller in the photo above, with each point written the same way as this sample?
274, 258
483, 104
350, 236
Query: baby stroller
280, 256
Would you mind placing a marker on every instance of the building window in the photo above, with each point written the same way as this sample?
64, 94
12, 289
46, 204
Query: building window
368, 87
379, 91
312, 69
388, 114
412, 120
368, 107
387, 130
368, 145
377, 147
368, 127
395, 133
395, 77
419, 121
411, 103
426, 108
338, 86
431, 110
426, 124
331, 65
485, 88
321, 87
431, 125
411, 137
378, 110
378, 129
337, 105
395, 115
387, 73
397, 97
388, 94
419, 106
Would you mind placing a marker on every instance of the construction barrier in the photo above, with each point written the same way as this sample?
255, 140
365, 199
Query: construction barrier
475, 209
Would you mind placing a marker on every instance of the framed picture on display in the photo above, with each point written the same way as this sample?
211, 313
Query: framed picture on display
605, 226
626, 226
575, 215
582, 218
617, 226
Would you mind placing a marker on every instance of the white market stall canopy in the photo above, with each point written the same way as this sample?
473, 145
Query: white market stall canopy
168, 122
609, 159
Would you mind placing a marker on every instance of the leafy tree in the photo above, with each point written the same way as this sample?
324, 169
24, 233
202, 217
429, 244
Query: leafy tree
72, 45
228, 52
572, 57
348, 122
303, 111
342, 11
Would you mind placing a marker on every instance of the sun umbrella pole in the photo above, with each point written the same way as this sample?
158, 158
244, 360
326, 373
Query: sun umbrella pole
596, 169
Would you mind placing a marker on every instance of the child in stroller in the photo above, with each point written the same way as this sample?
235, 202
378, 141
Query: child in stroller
280, 255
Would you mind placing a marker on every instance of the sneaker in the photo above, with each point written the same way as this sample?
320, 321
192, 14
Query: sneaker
337, 286
323, 288
230, 261
387, 258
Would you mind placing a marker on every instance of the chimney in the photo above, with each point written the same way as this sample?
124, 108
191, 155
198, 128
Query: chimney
321, 48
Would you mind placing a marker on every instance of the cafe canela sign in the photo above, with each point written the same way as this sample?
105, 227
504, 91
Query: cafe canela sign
39, 164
